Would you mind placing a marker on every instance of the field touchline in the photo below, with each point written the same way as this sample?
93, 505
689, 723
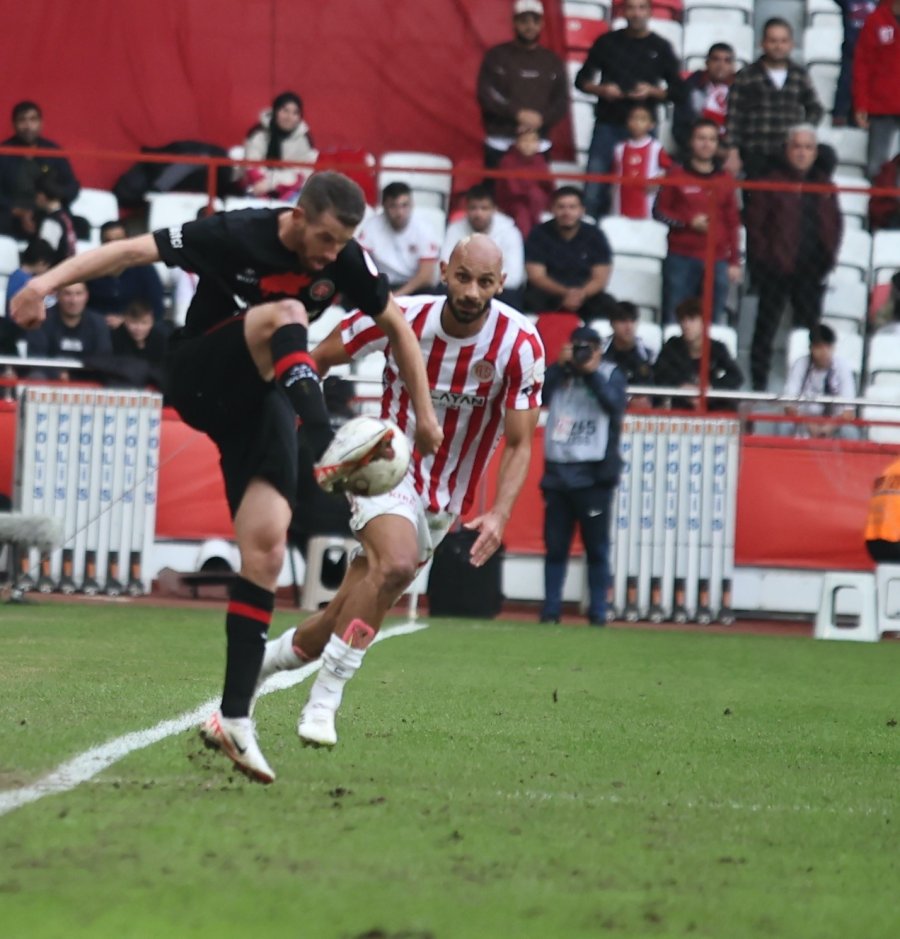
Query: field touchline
87, 765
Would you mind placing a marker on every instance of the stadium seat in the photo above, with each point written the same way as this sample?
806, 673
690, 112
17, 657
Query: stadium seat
434, 220
356, 163
883, 394
885, 255
560, 167
884, 357
699, 36
233, 203
176, 208
822, 44
642, 238
410, 167
9, 255
881, 293
643, 288
590, 9
844, 306
584, 23
823, 14
582, 126
602, 327
573, 67
721, 333
651, 336
850, 144
824, 76
723, 12
555, 330
855, 252
854, 202
97, 206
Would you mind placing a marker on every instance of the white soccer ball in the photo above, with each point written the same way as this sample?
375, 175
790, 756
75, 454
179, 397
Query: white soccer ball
353, 442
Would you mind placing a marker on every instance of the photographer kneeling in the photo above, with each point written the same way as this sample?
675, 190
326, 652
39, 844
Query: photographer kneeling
586, 399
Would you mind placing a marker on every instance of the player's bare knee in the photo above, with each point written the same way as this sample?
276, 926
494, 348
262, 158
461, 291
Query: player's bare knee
290, 311
395, 574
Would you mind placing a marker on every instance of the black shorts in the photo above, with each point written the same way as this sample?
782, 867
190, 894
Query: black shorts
213, 383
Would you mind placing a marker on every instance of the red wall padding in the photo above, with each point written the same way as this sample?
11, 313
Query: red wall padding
384, 76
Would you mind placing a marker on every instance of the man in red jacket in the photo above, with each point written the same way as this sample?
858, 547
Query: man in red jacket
685, 209
792, 244
884, 211
876, 82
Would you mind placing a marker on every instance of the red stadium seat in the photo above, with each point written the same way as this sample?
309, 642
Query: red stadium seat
581, 32
359, 165
554, 330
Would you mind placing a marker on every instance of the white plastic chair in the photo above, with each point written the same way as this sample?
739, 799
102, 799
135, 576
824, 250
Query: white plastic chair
822, 44
699, 36
176, 208
434, 219
644, 238
856, 252
844, 305
851, 146
854, 204
823, 14
642, 288
234, 203
97, 206
429, 188
723, 12
884, 356
9, 255
883, 394
557, 167
824, 76
582, 125
573, 67
650, 335
885, 255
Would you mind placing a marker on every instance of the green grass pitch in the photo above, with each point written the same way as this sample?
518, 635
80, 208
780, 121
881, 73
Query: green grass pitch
493, 780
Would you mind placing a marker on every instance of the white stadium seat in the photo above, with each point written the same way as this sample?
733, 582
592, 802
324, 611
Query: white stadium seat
643, 288
844, 305
97, 206
699, 36
885, 255
558, 167
822, 44
856, 251
573, 67
851, 146
233, 203
175, 208
824, 76
884, 394
583, 125
645, 238
9, 255
884, 356
823, 14
723, 12
854, 202
434, 219
410, 167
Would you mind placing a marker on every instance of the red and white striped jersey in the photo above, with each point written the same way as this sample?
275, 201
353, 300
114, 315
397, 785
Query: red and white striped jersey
473, 383
637, 159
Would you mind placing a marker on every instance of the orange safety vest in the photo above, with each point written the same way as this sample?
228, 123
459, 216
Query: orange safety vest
883, 522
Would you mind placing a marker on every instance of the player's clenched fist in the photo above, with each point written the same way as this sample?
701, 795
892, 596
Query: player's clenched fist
27, 308
429, 436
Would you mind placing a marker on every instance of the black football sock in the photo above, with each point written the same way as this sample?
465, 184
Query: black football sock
246, 625
296, 372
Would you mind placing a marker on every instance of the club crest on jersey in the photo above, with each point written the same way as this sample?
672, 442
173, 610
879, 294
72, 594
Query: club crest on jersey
483, 370
321, 289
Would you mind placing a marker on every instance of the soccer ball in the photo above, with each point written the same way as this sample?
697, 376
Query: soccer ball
354, 463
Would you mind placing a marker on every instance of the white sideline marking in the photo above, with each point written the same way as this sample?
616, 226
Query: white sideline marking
87, 765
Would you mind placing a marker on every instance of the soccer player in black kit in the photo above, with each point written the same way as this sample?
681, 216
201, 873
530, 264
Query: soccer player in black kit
240, 372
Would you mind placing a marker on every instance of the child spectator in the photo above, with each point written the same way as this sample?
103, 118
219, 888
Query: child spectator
56, 227
35, 259
684, 208
639, 156
281, 134
524, 200
142, 342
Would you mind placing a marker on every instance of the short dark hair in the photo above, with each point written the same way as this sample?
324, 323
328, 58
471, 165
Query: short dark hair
643, 106
689, 308
774, 21
704, 122
37, 252
23, 107
822, 334
333, 192
624, 310
563, 191
395, 191
720, 47
479, 192
139, 306
48, 185
110, 225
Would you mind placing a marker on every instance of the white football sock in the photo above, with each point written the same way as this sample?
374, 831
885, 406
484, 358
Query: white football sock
339, 664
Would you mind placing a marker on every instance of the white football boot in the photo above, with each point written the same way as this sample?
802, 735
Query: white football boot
236, 738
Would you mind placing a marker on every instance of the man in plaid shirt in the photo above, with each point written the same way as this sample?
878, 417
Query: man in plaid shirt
768, 97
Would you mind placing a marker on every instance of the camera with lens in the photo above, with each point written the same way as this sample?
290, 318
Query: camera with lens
582, 352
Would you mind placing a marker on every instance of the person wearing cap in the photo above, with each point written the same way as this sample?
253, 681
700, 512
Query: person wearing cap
586, 399
281, 134
522, 86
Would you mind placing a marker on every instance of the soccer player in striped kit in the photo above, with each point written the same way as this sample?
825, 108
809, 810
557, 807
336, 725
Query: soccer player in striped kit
485, 367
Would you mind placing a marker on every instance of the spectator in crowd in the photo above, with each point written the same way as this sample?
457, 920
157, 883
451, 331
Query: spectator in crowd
35, 259
876, 82
767, 98
586, 400
623, 67
483, 218
639, 156
884, 211
887, 316
400, 245
568, 262
883, 519
70, 330
822, 372
18, 174
792, 243
685, 209
140, 343
111, 295
524, 200
522, 85
55, 227
853, 13
281, 134
706, 95
678, 365
626, 349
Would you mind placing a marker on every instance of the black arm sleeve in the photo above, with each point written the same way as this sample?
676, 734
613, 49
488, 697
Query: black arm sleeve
359, 281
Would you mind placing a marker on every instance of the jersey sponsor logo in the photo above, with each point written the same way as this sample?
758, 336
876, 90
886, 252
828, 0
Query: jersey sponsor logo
483, 370
176, 237
458, 399
247, 276
281, 284
322, 289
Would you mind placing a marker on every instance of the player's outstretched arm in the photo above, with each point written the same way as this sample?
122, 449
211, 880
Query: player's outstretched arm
518, 432
412, 370
330, 352
27, 306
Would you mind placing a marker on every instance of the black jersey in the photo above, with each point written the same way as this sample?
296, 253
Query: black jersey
241, 262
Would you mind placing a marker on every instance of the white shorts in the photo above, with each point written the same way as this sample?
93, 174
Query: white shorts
403, 500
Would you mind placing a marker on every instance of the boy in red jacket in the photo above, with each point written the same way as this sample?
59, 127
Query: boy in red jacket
685, 209
876, 82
